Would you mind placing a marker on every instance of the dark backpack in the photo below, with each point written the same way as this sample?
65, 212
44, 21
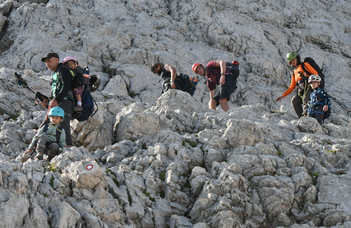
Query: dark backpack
58, 131
233, 67
313, 64
184, 83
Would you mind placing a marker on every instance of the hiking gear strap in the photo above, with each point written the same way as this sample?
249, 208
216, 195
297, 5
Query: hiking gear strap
58, 131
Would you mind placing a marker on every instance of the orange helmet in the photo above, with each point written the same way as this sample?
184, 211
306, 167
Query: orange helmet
196, 65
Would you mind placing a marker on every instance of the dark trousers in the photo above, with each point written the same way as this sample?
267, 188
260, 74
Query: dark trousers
319, 114
46, 147
300, 104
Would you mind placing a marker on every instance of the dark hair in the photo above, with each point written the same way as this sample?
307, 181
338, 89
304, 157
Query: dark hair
298, 60
154, 66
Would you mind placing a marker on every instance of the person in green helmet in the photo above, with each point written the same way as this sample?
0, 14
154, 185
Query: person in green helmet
299, 79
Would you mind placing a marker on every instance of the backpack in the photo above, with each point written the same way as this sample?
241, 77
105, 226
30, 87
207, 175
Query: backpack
58, 131
313, 64
233, 67
184, 83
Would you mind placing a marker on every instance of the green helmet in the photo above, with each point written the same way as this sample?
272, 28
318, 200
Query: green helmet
291, 56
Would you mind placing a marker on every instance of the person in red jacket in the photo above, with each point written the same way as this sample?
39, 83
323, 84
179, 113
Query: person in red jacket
299, 79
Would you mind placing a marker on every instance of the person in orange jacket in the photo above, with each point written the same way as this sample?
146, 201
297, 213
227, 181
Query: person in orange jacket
299, 79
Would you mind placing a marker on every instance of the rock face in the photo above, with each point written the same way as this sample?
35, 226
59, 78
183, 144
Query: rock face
148, 159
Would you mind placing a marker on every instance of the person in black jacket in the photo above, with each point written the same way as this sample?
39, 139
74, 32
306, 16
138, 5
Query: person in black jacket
170, 79
61, 92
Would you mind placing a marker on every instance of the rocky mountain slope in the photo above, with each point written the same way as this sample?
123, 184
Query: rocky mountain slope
152, 160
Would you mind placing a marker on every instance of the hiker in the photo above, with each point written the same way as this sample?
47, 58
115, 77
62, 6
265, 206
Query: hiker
218, 74
173, 81
46, 141
61, 92
299, 79
81, 74
319, 107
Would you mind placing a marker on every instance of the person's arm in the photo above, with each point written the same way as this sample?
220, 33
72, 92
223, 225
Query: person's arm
290, 89
62, 139
212, 93
222, 65
171, 69
326, 100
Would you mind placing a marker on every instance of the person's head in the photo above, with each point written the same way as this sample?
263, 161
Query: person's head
293, 58
314, 80
198, 68
56, 115
157, 67
51, 60
70, 62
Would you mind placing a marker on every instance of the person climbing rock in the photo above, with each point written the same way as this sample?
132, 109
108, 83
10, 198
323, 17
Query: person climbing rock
320, 106
218, 73
170, 79
299, 79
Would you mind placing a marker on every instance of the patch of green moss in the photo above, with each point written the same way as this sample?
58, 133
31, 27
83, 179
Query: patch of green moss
52, 168
163, 176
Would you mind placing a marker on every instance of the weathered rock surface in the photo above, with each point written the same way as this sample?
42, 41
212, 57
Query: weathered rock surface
152, 160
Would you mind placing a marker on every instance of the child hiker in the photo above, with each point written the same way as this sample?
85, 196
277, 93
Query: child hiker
49, 139
81, 79
319, 107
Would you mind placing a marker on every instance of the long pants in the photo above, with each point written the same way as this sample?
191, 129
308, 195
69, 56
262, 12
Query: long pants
319, 114
300, 105
49, 148
67, 107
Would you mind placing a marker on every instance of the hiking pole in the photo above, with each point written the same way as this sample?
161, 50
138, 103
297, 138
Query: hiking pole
343, 106
38, 95
21, 82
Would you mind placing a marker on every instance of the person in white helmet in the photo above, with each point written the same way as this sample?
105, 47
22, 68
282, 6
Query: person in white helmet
319, 107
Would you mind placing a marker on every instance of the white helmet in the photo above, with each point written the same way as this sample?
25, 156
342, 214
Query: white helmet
314, 78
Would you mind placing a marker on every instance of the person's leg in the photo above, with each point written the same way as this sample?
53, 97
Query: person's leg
212, 104
226, 90
296, 103
67, 107
53, 150
327, 114
306, 101
224, 104
319, 114
41, 144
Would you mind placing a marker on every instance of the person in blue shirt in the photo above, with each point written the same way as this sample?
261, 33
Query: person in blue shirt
320, 106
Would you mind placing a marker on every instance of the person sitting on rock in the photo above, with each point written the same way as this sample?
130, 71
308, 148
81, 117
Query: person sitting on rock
170, 79
319, 107
217, 74
49, 139
299, 79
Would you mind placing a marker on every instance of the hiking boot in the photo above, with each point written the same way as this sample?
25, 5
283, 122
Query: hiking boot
78, 108
39, 156
26, 156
